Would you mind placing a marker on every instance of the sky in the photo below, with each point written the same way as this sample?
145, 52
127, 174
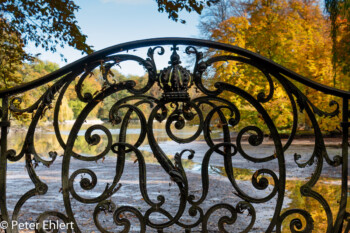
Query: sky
110, 22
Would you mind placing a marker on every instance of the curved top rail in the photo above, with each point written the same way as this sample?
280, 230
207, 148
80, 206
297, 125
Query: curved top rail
170, 41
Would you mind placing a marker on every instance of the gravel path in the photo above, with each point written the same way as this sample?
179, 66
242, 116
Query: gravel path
158, 183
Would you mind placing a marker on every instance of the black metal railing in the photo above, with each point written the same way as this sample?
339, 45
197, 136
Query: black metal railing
185, 95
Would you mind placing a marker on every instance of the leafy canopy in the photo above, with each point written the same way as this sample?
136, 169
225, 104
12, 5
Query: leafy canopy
52, 23
293, 33
47, 23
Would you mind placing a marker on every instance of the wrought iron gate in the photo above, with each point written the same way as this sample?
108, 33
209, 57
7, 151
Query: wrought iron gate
186, 95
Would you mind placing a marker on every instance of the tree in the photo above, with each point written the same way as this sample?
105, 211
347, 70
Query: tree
12, 55
218, 13
339, 11
47, 23
336, 9
30, 71
52, 23
292, 33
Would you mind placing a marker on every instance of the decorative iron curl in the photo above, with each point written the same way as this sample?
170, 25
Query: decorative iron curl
306, 190
296, 225
43, 104
46, 214
240, 207
147, 64
87, 184
115, 119
319, 148
40, 189
105, 206
29, 109
179, 116
254, 140
163, 115
205, 172
199, 56
232, 107
232, 121
142, 173
321, 113
193, 211
94, 140
202, 66
261, 184
150, 54
125, 222
86, 97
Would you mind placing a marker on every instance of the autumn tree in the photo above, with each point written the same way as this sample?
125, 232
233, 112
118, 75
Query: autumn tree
295, 34
12, 55
30, 71
339, 11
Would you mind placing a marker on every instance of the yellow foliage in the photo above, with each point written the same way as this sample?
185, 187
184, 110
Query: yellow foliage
292, 33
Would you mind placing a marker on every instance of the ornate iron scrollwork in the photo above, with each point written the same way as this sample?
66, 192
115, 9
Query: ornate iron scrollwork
175, 108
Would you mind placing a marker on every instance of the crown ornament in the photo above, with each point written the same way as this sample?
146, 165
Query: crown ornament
175, 80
